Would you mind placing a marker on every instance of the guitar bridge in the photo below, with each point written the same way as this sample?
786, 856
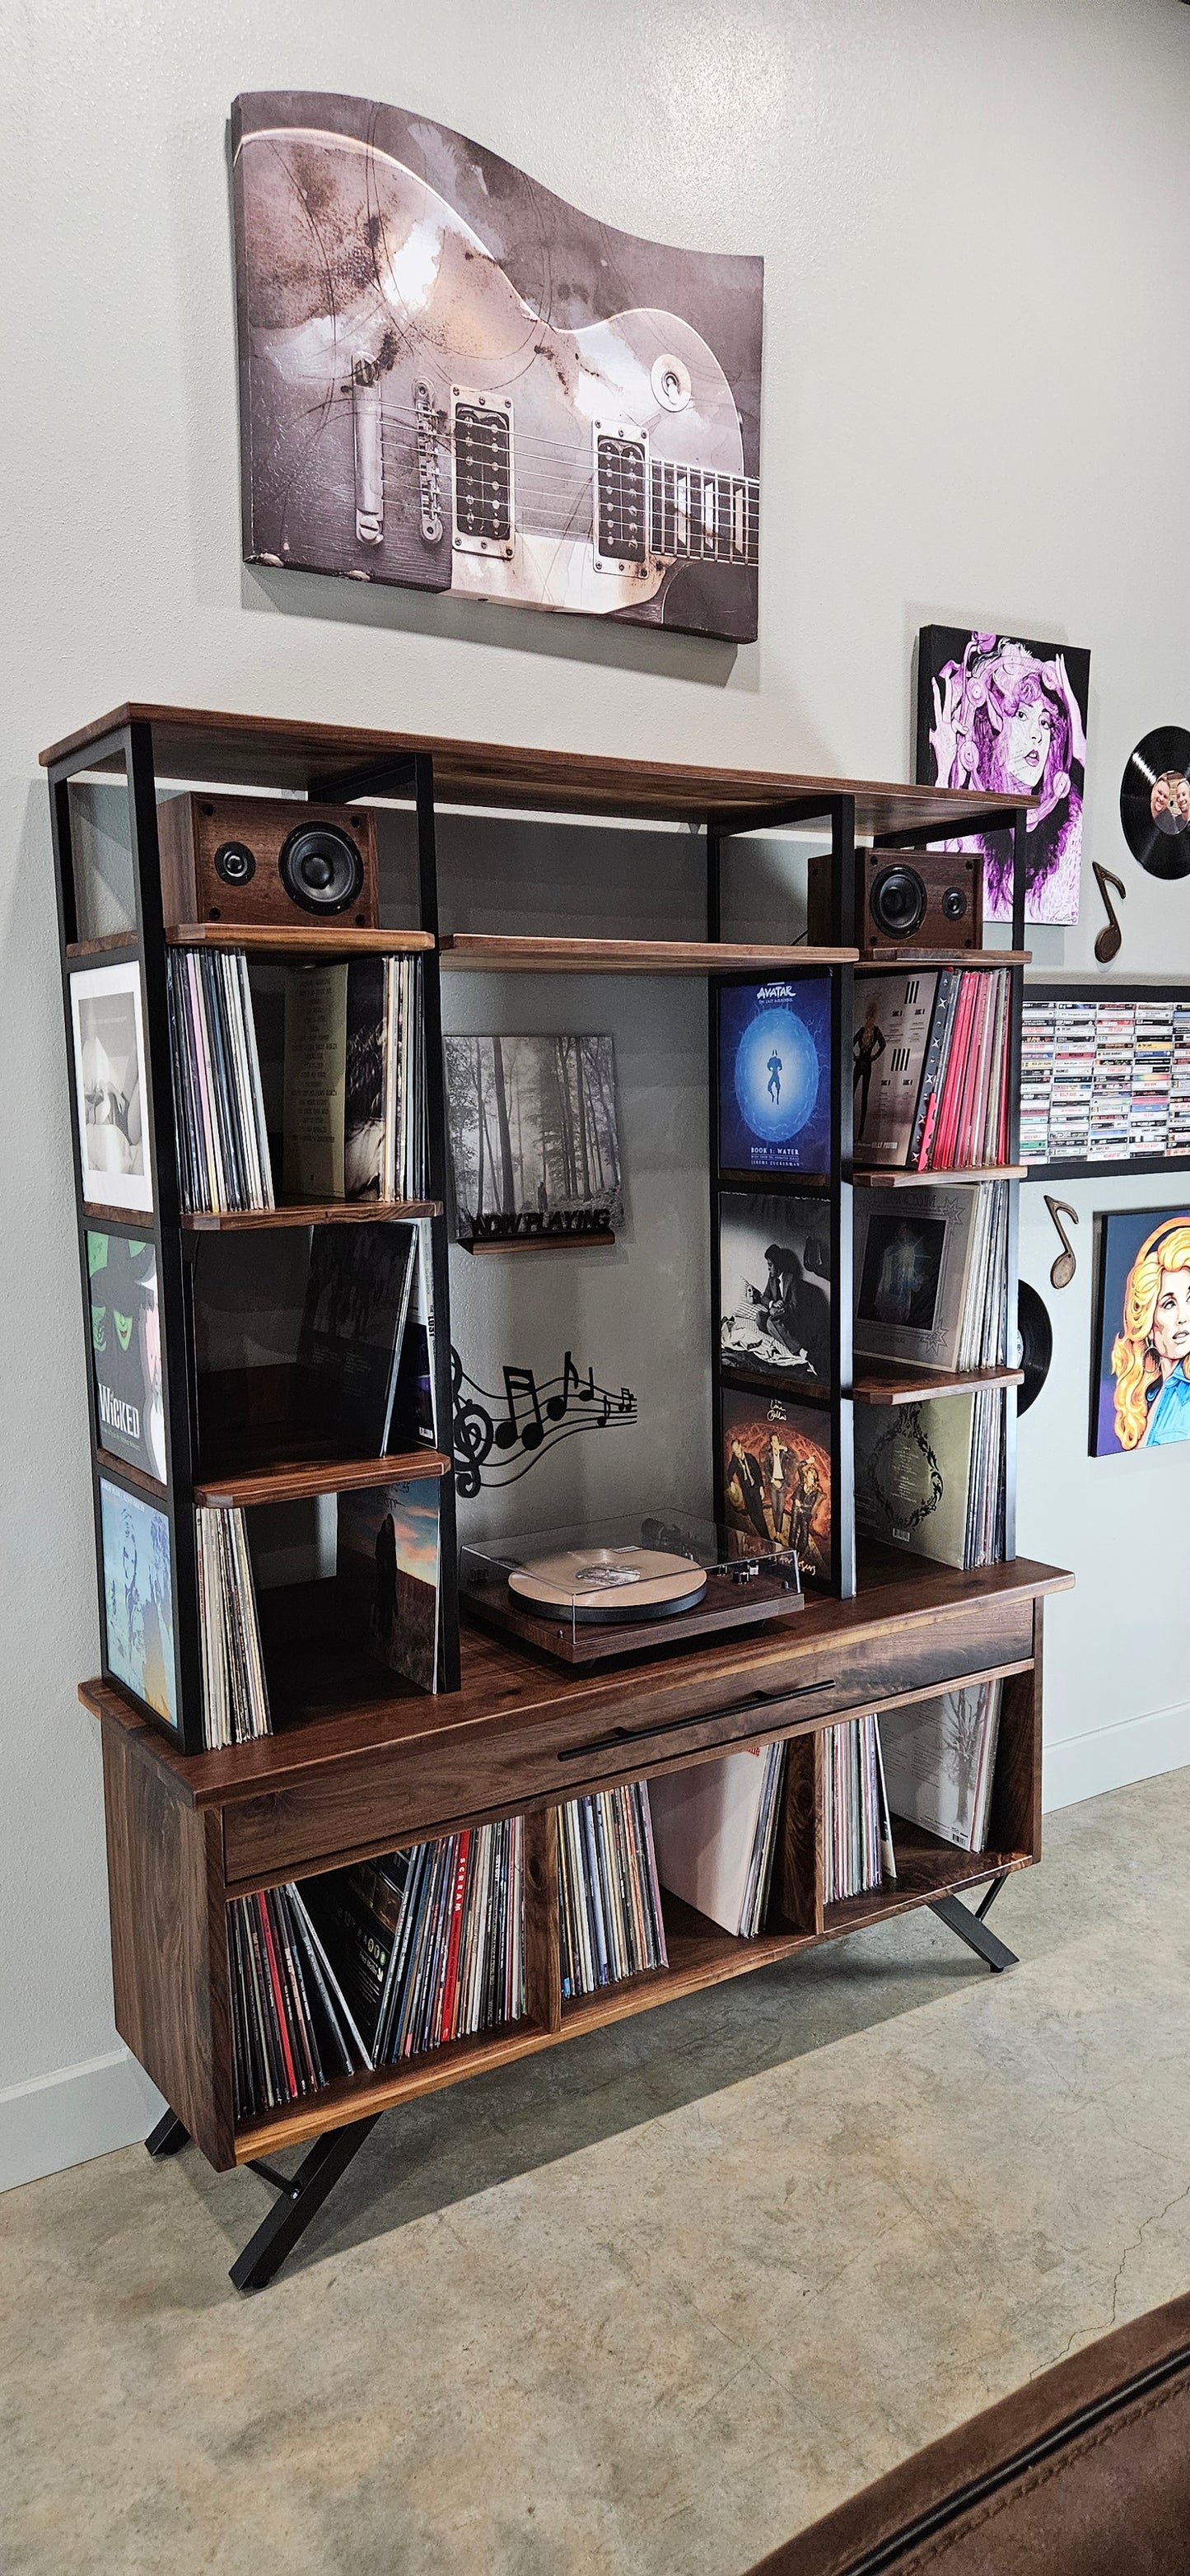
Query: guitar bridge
621, 499
483, 486
429, 492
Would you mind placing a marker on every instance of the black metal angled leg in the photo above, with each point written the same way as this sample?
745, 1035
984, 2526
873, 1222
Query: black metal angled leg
971, 1928
168, 2136
297, 2201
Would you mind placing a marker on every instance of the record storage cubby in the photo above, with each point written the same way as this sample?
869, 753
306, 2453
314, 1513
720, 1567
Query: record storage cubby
382, 1765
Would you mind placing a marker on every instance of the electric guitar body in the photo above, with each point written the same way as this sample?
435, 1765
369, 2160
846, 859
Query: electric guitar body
409, 415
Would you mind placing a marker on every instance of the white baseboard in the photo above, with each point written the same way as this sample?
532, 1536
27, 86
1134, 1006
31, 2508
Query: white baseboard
1112, 1756
80, 2111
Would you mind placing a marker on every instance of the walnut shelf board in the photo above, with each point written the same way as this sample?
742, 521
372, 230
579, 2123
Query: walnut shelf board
209, 748
121, 1468
542, 1243
701, 1954
506, 1688
879, 960
295, 1482
313, 939
495, 953
317, 1212
886, 1382
114, 943
873, 1177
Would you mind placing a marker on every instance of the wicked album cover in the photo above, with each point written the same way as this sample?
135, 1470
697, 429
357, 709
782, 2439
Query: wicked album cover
777, 1478
774, 1076
774, 1284
126, 1350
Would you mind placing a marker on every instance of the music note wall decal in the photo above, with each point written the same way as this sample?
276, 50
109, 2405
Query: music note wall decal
1065, 1265
513, 1430
1110, 937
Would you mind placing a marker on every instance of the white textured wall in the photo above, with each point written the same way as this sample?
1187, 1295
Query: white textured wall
975, 224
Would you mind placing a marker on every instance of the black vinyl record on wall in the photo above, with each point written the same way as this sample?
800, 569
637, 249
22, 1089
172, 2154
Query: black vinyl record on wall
1035, 1344
1155, 802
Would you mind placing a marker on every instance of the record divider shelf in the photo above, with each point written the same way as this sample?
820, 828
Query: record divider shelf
386, 1766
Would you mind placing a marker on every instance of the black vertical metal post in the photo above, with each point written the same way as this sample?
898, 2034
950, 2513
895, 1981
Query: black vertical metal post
435, 1078
1016, 998
842, 918
714, 932
172, 1280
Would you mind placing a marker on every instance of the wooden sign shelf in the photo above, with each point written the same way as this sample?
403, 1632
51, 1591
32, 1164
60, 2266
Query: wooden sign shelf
362, 1764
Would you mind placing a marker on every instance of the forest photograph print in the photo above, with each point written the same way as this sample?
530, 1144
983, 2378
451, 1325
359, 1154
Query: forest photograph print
1009, 716
534, 1143
1140, 1389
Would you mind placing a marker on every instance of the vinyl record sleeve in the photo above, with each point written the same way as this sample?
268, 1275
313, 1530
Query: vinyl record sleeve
913, 1255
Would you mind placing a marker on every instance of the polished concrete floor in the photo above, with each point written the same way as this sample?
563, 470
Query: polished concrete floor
647, 2305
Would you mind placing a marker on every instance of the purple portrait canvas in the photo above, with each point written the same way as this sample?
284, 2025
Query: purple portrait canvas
1008, 715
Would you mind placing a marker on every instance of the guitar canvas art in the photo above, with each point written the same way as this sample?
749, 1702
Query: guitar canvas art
453, 380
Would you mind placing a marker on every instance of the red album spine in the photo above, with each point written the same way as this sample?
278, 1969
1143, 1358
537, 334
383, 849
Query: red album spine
456, 1926
278, 1999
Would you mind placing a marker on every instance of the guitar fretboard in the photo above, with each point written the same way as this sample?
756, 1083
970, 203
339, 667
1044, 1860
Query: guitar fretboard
712, 517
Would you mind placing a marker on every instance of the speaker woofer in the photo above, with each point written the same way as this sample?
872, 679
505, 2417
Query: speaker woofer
898, 901
321, 868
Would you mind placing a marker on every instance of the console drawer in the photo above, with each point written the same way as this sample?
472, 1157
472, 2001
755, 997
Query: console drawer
374, 1800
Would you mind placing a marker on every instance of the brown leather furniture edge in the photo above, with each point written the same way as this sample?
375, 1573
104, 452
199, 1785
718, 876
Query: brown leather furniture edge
1083, 2472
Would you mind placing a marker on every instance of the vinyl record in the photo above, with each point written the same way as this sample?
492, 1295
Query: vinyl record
605, 1585
1035, 1344
1155, 802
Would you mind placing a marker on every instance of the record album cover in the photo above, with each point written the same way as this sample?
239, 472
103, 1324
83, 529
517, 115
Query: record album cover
912, 1475
126, 1350
1009, 715
358, 1292
911, 1257
777, 1478
109, 1081
387, 1568
893, 1014
774, 1076
138, 1597
534, 1138
774, 1283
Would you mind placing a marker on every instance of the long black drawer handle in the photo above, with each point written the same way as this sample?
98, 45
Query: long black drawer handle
675, 1725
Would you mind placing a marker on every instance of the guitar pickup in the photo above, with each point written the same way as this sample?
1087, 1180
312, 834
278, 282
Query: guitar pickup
483, 518
621, 461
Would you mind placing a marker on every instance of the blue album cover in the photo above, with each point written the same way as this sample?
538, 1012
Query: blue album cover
138, 1598
774, 1076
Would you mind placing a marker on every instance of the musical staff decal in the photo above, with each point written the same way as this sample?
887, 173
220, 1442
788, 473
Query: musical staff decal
497, 1438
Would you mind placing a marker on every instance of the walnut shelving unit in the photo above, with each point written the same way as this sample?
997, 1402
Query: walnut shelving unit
362, 1763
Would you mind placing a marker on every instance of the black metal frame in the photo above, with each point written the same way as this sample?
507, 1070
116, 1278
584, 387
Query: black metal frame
299, 2195
127, 755
970, 1924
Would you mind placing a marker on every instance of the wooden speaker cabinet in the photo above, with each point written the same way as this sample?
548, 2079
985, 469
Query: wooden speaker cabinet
267, 862
905, 900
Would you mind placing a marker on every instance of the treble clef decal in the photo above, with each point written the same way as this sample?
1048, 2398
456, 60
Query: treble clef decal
1064, 1267
472, 1435
1107, 945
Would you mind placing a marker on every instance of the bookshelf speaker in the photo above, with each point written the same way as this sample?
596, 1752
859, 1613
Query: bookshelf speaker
905, 899
260, 861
